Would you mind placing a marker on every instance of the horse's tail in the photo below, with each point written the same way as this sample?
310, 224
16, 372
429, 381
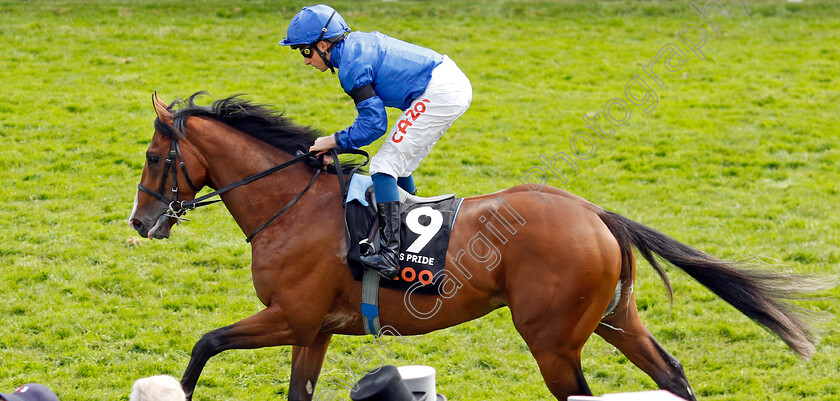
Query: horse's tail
760, 295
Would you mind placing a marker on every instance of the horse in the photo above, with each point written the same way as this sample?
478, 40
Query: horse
564, 266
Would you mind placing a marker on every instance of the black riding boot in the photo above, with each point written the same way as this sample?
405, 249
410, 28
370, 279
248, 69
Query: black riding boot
387, 260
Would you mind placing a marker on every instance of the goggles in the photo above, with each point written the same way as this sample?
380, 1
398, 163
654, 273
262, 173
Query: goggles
305, 50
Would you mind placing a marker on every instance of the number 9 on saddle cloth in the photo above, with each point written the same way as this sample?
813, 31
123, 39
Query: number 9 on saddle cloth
425, 228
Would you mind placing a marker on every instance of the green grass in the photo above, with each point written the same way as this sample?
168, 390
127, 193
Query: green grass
739, 159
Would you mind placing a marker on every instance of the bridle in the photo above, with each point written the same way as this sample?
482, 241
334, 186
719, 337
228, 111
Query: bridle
176, 209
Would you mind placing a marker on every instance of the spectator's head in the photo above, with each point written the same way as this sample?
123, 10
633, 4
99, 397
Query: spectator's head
157, 388
30, 392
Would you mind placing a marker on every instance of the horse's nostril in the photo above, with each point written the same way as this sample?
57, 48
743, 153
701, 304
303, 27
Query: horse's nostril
136, 224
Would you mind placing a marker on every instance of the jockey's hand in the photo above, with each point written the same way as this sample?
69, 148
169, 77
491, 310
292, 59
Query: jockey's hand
322, 145
327, 160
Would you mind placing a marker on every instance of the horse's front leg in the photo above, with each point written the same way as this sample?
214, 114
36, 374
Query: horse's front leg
268, 328
306, 366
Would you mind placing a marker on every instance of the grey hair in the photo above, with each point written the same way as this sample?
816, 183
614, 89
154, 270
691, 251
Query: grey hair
157, 388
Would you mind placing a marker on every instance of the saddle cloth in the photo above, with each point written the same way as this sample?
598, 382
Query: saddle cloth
424, 234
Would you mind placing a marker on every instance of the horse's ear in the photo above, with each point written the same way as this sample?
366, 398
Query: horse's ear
161, 109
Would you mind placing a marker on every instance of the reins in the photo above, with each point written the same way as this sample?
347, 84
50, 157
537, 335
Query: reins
178, 208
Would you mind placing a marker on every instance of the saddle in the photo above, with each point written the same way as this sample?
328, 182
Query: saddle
424, 239
424, 234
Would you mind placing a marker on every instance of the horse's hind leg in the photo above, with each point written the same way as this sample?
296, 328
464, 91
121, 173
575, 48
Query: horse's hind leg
556, 326
561, 371
625, 331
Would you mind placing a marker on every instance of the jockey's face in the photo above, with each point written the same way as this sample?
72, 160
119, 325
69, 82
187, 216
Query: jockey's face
316, 61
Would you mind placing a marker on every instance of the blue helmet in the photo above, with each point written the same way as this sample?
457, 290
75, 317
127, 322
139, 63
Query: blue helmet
314, 23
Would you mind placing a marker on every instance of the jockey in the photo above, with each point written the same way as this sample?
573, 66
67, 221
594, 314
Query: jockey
377, 71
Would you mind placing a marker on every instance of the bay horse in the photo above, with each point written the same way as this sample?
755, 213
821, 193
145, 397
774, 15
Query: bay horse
564, 266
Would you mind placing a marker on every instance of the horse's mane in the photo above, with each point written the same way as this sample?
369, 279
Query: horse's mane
256, 120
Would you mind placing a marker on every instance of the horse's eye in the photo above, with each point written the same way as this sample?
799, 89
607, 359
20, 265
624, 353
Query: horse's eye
152, 159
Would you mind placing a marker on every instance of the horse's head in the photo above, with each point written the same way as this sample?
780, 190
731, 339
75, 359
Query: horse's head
172, 174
